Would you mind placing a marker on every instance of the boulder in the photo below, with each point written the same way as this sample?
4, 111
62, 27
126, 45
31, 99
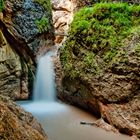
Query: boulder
101, 64
16, 124
63, 13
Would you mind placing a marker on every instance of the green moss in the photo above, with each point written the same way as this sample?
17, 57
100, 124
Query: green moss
45, 3
100, 31
43, 24
1, 5
137, 50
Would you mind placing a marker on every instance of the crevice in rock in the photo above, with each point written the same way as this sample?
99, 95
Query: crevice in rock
17, 45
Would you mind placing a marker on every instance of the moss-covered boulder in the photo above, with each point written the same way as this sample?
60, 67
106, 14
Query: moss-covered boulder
101, 57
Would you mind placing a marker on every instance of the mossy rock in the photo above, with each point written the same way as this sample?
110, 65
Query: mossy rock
101, 64
1, 5
45, 3
97, 38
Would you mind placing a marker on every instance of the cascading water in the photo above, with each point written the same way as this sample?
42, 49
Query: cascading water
44, 87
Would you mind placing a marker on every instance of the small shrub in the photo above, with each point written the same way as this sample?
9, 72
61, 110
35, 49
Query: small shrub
100, 31
1, 5
43, 24
45, 3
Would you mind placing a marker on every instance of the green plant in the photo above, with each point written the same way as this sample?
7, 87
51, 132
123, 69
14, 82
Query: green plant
43, 24
45, 3
1, 5
100, 31
137, 50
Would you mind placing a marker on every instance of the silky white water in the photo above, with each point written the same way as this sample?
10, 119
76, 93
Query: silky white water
61, 121
44, 88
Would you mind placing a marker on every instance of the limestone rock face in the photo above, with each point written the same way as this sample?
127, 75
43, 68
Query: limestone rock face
62, 16
16, 124
25, 33
100, 78
29, 21
63, 13
10, 69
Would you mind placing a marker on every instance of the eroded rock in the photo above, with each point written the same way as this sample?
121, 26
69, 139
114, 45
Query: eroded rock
63, 13
16, 124
102, 77
25, 33
26, 20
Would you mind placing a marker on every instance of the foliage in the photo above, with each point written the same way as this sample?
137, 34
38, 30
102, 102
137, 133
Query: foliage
137, 50
45, 3
1, 5
99, 31
43, 24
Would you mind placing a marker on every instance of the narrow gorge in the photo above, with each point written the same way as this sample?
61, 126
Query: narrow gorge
84, 53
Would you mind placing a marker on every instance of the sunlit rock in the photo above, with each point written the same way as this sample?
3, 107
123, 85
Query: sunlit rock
16, 124
26, 32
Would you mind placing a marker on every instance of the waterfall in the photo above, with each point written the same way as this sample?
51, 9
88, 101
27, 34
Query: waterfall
44, 87
60, 121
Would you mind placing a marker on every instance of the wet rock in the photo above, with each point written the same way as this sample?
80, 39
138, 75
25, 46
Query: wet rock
17, 124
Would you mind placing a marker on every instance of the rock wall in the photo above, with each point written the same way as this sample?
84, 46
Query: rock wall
101, 65
62, 17
30, 22
26, 32
63, 13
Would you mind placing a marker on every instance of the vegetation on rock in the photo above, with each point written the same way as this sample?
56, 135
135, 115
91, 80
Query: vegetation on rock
45, 3
43, 24
98, 37
101, 61
1, 5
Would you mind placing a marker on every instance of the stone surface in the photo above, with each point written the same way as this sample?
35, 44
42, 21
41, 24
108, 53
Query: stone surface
62, 17
10, 69
16, 124
109, 90
63, 13
23, 39
16, 73
21, 20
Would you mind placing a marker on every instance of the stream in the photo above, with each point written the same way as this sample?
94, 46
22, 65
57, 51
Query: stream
62, 122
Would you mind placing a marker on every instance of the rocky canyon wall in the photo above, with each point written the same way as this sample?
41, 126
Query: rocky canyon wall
100, 62
16, 124
26, 32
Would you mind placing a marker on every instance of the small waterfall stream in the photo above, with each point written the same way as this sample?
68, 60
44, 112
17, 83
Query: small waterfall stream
44, 88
